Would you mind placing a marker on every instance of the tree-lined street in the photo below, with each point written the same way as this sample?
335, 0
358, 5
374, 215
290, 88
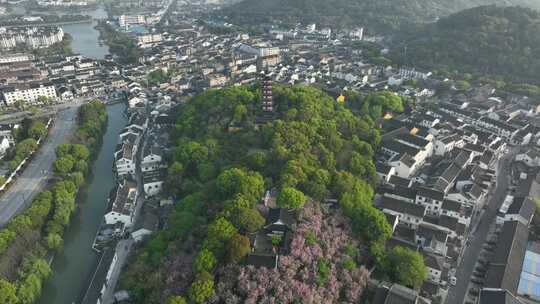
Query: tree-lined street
34, 177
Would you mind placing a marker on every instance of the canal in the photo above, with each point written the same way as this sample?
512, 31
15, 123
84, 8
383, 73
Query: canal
74, 266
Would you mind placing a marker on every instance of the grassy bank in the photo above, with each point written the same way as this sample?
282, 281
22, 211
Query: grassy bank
26, 240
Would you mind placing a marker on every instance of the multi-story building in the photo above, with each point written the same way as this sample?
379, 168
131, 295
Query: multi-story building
260, 51
28, 93
11, 58
129, 20
31, 37
149, 39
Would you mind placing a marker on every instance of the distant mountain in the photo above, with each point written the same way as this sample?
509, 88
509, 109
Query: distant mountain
490, 39
383, 15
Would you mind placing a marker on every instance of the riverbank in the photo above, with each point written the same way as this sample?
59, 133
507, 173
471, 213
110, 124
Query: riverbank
73, 267
85, 38
121, 45
30, 236
60, 23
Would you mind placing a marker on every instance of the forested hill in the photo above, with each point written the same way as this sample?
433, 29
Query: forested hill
223, 162
373, 14
504, 41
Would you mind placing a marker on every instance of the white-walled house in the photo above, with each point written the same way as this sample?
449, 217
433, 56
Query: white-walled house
461, 212
431, 199
435, 267
446, 144
153, 182
405, 166
125, 160
152, 159
4, 145
408, 214
123, 205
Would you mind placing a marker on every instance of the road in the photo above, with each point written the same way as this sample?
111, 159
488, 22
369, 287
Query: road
44, 111
34, 177
123, 249
456, 294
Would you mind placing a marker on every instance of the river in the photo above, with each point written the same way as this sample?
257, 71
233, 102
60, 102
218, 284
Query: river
85, 36
74, 266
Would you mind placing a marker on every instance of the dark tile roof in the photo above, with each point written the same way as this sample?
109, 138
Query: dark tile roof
474, 148
390, 218
263, 260
487, 157
476, 191
448, 222
451, 173
397, 241
124, 200
430, 288
450, 138
382, 168
414, 140
287, 217
380, 294
402, 207
496, 296
399, 294
408, 160
451, 205
505, 268
522, 206
399, 148
462, 159
406, 193
399, 181
430, 231
434, 262
431, 193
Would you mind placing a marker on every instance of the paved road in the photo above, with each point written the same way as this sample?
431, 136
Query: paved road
456, 294
34, 178
123, 249
44, 111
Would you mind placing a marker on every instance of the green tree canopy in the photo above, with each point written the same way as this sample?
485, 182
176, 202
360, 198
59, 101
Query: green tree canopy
37, 130
239, 247
202, 288
63, 165
205, 261
237, 181
405, 267
8, 293
291, 198
177, 300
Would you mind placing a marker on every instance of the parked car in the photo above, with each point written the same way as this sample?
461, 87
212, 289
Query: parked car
482, 261
489, 248
478, 274
453, 281
480, 269
477, 281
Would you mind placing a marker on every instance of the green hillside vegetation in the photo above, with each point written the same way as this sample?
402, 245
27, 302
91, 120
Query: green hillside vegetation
490, 40
386, 15
223, 162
